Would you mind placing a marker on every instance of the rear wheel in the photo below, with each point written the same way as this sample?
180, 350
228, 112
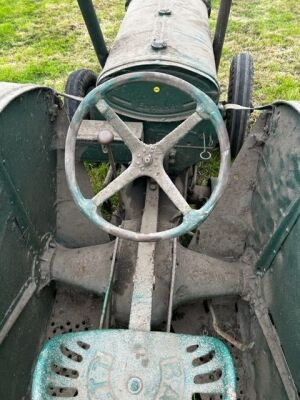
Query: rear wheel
239, 92
79, 83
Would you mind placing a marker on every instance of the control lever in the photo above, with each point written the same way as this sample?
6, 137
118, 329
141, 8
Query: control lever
105, 138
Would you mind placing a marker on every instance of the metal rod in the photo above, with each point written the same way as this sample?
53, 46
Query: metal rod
109, 288
16, 308
112, 161
221, 28
239, 345
109, 176
174, 264
92, 23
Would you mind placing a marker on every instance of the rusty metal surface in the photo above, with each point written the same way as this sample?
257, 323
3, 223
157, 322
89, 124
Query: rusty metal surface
27, 220
10, 91
89, 130
73, 311
276, 350
131, 365
197, 275
72, 229
275, 205
16, 308
221, 28
225, 234
179, 41
106, 310
233, 316
83, 267
276, 226
144, 278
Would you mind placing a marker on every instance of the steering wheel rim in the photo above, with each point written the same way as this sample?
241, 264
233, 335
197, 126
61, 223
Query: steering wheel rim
147, 160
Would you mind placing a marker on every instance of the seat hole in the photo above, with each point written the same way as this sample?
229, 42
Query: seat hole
70, 354
204, 359
67, 372
192, 348
208, 378
66, 392
83, 345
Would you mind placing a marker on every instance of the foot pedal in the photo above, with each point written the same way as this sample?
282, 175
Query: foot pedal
130, 365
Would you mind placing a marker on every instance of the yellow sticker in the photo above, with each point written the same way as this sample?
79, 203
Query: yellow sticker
156, 89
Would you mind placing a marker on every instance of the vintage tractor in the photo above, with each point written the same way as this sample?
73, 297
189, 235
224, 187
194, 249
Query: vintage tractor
159, 286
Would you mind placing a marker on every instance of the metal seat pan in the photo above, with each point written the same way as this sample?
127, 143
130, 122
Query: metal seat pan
116, 364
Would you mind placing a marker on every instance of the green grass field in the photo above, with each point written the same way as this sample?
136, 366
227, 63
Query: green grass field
42, 41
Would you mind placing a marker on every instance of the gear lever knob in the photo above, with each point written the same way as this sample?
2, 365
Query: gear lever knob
106, 137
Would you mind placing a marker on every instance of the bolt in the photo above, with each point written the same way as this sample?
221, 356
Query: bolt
165, 11
148, 160
158, 44
135, 385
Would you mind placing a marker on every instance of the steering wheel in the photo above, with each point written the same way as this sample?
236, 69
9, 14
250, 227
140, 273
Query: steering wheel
147, 159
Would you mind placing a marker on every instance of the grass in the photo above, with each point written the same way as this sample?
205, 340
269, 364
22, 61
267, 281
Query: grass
270, 32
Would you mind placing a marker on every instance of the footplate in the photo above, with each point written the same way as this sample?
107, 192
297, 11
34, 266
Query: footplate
114, 364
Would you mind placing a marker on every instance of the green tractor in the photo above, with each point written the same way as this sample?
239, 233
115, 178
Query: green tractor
156, 287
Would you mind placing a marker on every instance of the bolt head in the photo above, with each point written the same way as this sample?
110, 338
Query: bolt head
135, 385
158, 44
165, 11
148, 159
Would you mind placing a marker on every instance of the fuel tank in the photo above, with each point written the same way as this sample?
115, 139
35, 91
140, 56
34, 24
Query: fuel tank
169, 36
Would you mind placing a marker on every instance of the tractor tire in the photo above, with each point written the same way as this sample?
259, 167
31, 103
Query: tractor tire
239, 92
79, 83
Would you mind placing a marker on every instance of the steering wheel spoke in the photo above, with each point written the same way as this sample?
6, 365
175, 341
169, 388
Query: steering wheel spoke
126, 177
169, 141
131, 141
147, 159
166, 184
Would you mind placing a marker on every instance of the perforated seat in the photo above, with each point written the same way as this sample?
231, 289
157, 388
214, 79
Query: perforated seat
115, 364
